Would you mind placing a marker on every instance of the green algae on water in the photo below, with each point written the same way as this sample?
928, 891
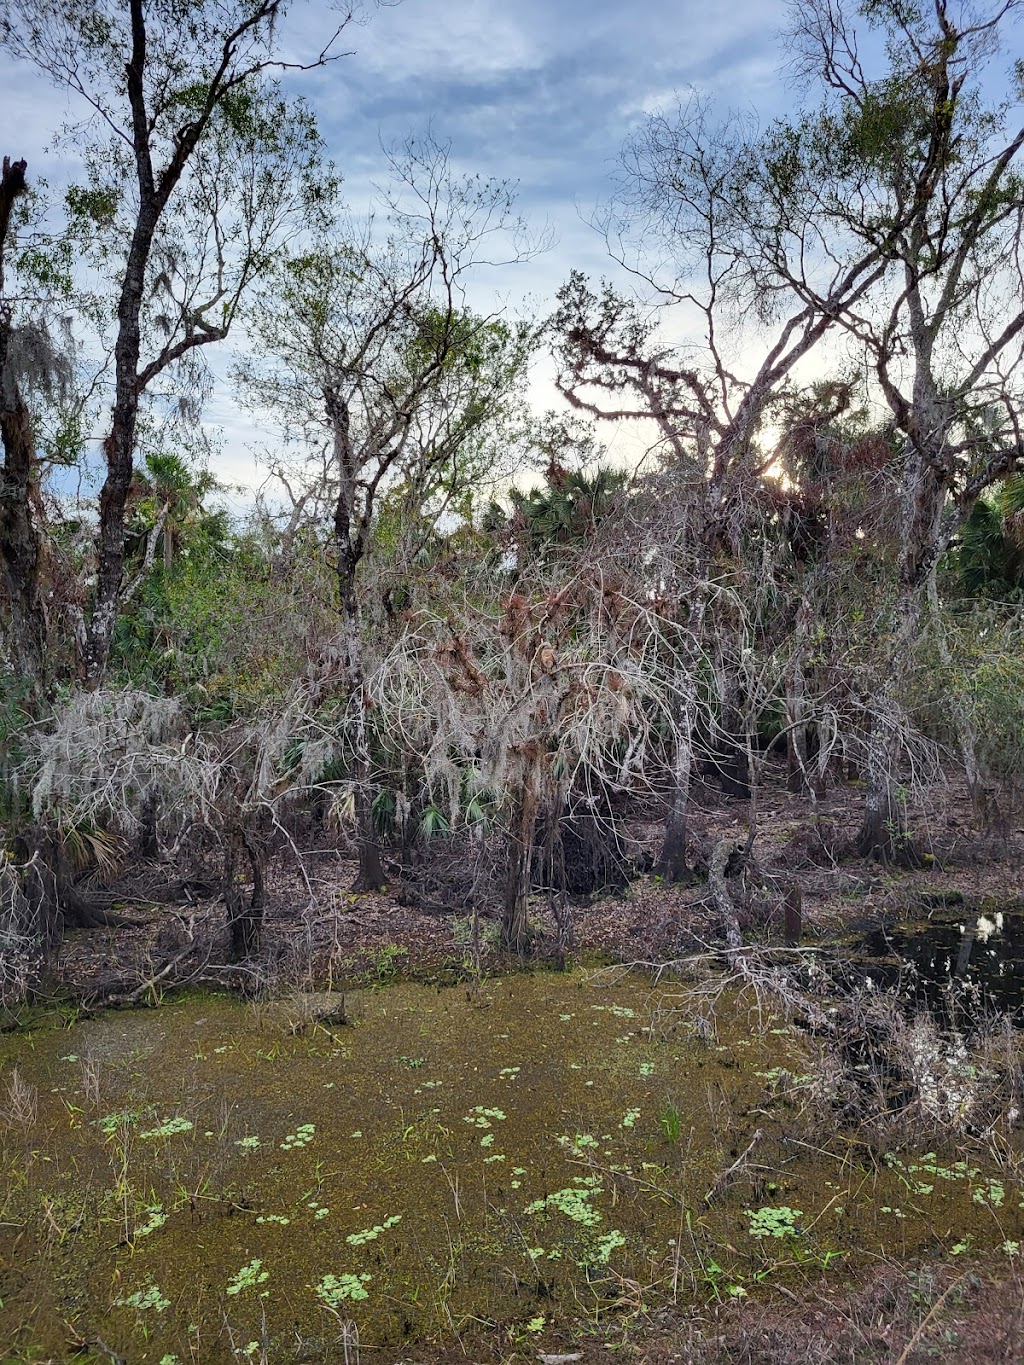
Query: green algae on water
225, 1180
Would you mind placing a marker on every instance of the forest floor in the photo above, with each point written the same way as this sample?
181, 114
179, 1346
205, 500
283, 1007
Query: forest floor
317, 931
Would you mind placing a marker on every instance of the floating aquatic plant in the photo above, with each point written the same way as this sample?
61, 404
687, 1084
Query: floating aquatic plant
169, 1127
773, 1222
302, 1137
145, 1299
357, 1239
249, 1276
335, 1290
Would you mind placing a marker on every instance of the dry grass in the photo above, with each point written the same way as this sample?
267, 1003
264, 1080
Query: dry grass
20, 1101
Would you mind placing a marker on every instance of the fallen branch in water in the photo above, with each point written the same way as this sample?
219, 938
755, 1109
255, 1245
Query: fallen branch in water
741, 1163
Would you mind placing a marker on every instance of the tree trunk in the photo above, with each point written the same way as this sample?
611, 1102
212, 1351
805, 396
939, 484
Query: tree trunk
798, 745
733, 769
349, 540
371, 875
119, 446
672, 864
515, 920
22, 551
21, 543
168, 538
883, 834
149, 841
245, 921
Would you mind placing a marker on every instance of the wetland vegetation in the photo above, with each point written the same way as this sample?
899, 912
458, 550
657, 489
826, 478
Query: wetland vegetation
541, 1160
473, 898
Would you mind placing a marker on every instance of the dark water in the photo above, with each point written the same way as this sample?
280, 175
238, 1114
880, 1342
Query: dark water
964, 955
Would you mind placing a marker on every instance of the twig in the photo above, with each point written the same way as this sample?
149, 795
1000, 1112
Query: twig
905, 1356
738, 1165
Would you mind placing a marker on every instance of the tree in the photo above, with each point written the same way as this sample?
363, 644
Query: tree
22, 544
196, 165
528, 712
891, 214
566, 510
373, 356
684, 205
945, 336
989, 553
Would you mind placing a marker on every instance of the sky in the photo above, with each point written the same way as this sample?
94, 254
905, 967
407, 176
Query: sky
540, 92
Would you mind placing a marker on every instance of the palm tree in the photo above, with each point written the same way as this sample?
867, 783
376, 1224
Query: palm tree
567, 509
170, 495
989, 555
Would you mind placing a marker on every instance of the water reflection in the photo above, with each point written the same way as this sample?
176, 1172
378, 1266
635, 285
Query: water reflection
982, 954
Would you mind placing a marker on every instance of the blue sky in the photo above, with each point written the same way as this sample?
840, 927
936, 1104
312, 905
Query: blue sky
542, 92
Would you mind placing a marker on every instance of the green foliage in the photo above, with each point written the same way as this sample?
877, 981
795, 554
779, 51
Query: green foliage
989, 557
566, 510
433, 822
383, 811
144, 1300
224, 628
670, 1122
248, 1277
336, 1290
773, 1222
15, 710
974, 690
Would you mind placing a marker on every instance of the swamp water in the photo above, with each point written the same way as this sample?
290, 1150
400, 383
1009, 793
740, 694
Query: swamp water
517, 1167
974, 955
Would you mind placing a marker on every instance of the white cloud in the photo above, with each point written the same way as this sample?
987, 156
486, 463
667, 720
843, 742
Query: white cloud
539, 91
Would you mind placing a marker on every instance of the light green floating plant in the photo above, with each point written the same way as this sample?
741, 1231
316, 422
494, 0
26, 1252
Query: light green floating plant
334, 1290
111, 1123
607, 1244
249, 1276
157, 1218
302, 1137
992, 1194
579, 1144
145, 1299
773, 1222
169, 1127
357, 1239
573, 1201
480, 1117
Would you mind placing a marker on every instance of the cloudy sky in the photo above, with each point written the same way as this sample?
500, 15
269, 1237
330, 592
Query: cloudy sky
542, 92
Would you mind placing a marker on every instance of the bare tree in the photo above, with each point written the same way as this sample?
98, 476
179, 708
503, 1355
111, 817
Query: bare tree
945, 338
196, 164
373, 357
680, 209
891, 214
531, 709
